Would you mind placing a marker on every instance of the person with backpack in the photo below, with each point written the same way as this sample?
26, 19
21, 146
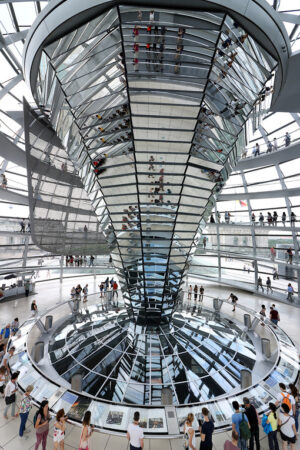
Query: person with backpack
41, 424
240, 424
295, 394
287, 427
206, 428
272, 419
189, 438
284, 398
254, 422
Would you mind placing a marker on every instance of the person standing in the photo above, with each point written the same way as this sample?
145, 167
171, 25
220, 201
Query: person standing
22, 225
24, 409
3, 378
290, 255
15, 326
261, 219
204, 242
5, 334
259, 284
287, 427
287, 139
284, 398
206, 429
115, 289
275, 218
190, 291
275, 144
33, 308
42, 425
274, 315
262, 312
275, 274
233, 299
86, 432
85, 291
283, 218
10, 395
290, 293
6, 358
253, 218
189, 431
295, 393
101, 287
257, 150
195, 292
272, 420
233, 444
293, 219
269, 285
201, 293
27, 287
135, 433
254, 422
59, 430
237, 418
269, 147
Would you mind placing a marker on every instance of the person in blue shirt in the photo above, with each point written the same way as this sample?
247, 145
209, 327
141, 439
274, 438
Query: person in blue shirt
236, 419
5, 333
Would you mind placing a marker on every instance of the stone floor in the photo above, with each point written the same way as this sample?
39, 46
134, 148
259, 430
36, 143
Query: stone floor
52, 292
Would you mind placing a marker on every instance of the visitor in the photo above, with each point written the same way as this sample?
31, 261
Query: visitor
287, 427
106, 284
295, 393
272, 420
86, 432
201, 293
290, 255
275, 144
227, 217
190, 291
274, 315
115, 289
254, 422
135, 433
269, 146
275, 218
73, 292
261, 219
269, 219
259, 284
4, 181
275, 274
239, 418
290, 293
269, 285
101, 288
262, 312
5, 334
41, 424
59, 430
195, 292
27, 287
293, 219
273, 253
204, 242
233, 299
257, 149
22, 225
253, 218
91, 263
24, 409
287, 139
85, 291
2, 351
189, 433
233, 444
3, 379
10, 395
284, 398
34, 308
5, 360
206, 428
15, 326
283, 218
212, 220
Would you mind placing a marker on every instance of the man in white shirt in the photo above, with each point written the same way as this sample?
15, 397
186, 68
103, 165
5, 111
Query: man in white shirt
135, 434
7, 357
285, 397
10, 395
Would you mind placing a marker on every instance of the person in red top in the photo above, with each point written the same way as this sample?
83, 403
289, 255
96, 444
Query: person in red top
274, 315
115, 289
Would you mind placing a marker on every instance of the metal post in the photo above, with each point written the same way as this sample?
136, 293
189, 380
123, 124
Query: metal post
246, 378
48, 322
266, 347
247, 321
38, 351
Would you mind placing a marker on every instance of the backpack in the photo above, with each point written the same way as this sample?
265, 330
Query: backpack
244, 429
286, 400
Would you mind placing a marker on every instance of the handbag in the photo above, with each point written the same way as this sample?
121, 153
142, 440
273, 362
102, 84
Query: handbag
11, 399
